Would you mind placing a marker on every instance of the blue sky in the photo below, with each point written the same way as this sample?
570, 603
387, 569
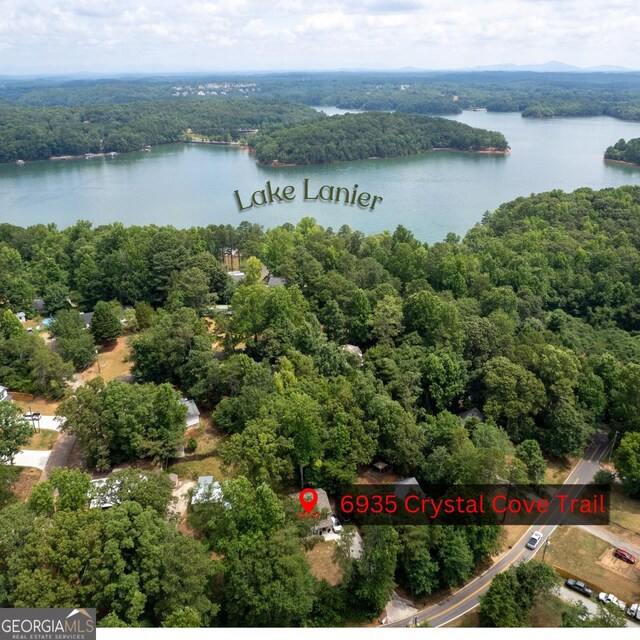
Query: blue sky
60, 36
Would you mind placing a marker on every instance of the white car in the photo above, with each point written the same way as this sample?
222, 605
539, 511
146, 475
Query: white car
634, 611
534, 540
337, 527
607, 598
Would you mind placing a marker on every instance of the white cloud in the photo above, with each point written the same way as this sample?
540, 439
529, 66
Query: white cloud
41, 36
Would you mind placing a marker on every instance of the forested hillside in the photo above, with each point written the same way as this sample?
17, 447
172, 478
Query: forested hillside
39, 133
533, 94
368, 135
532, 318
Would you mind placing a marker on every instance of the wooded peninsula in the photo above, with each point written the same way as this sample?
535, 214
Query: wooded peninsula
624, 151
368, 135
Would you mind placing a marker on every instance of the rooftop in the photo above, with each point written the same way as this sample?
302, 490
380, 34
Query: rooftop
208, 490
192, 408
322, 507
472, 413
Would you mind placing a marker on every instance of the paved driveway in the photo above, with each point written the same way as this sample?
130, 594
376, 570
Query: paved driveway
589, 603
30, 458
356, 544
52, 423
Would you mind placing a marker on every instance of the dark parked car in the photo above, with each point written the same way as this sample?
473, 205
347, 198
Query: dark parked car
579, 586
624, 555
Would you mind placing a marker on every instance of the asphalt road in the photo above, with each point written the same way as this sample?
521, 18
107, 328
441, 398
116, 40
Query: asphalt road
467, 598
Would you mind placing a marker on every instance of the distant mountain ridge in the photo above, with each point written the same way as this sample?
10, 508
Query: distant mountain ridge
553, 66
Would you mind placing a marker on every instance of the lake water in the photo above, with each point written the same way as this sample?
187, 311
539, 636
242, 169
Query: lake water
431, 194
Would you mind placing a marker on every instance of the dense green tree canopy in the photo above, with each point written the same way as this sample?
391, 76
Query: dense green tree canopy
531, 319
117, 422
15, 432
625, 151
366, 135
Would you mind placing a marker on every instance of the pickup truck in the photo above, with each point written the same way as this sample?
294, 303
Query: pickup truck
607, 598
634, 611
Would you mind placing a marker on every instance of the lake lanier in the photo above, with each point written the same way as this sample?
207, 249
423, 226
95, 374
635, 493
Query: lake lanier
326, 193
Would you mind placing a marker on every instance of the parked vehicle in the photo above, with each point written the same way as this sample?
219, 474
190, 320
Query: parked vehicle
579, 586
337, 527
609, 598
624, 555
634, 611
534, 541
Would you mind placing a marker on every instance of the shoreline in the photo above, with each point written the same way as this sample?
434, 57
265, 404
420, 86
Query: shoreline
112, 154
629, 164
85, 156
487, 151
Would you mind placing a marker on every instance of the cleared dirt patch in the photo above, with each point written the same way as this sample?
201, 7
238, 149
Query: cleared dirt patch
368, 475
204, 461
207, 437
591, 559
111, 362
322, 564
181, 494
609, 561
36, 404
42, 441
28, 477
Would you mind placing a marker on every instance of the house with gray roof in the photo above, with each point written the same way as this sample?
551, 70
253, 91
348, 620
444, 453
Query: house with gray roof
472, 413
193, 413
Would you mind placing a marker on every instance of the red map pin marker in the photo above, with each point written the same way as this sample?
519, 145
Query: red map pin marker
308, 499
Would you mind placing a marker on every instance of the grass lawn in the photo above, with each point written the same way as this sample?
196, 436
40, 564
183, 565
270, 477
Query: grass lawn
192, 469
469, 619
39, 404
581, 554
548, 612
321, 562
625, 516
206, 462
42, 441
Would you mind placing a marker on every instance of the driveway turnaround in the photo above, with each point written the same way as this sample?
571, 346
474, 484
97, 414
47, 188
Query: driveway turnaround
49, 422
28, 458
